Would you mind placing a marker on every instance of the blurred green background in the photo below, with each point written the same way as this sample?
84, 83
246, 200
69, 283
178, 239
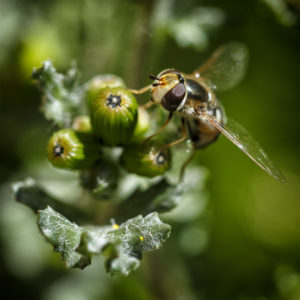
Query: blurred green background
244, 241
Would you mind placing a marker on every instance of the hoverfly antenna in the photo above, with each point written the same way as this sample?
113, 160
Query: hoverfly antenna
156, 84
151, 76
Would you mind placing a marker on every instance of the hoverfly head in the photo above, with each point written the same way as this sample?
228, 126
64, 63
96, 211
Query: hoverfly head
169, 89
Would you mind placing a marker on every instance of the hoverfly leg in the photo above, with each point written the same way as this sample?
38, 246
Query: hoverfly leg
184, 135
185, 164
160, 129
147, 105
141, 91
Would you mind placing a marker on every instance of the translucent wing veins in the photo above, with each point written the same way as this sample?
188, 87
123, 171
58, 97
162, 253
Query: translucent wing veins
244, 141
226, 67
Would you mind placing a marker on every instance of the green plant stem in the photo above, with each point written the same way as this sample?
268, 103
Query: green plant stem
136, 64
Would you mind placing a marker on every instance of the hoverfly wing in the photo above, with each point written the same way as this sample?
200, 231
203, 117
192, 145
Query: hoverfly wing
226, 67
245, 142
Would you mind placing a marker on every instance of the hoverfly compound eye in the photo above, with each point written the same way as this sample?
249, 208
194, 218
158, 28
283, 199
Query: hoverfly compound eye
173, 98
169, 89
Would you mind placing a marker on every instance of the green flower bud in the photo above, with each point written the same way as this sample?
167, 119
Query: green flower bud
82, 124
142, 126
99, 82
68, 149
101, 180
146, 160
114, 115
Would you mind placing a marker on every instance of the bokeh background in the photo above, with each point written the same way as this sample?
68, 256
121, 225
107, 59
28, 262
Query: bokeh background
241, 238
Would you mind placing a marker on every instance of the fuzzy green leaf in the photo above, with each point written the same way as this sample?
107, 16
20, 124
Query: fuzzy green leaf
64, 236
118, 262
62, 96
124, 245
141, 234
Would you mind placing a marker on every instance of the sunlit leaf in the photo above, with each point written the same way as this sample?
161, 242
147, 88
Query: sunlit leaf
64, 237
122, 245
62, 95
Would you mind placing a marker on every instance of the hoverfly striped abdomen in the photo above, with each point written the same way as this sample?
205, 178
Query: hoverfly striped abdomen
201, 132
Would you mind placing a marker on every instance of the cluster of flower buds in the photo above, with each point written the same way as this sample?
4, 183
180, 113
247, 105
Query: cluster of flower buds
114, 120
68, 149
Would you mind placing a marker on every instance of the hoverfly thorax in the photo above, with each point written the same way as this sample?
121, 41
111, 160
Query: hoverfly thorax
169, 89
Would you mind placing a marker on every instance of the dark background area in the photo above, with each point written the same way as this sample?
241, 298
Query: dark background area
245, 243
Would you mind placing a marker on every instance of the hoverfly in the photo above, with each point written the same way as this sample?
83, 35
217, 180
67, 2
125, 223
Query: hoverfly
203, 117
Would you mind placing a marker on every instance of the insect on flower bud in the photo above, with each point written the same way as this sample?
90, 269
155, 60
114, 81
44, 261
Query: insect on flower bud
114, 115
68, 149
99, 82
146, 160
